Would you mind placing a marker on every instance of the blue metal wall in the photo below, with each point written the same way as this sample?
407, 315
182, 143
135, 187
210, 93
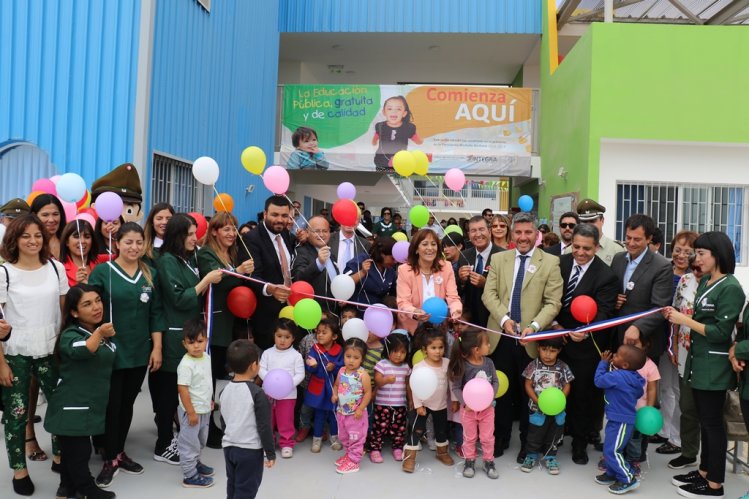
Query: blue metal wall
411, 16
67, 85
213, 89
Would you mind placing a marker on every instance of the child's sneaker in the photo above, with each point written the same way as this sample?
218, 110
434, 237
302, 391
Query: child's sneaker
348, 467
552, 466
398, 455
469, 469
204, 470
622, 488
636, 468
528, 464
316, 444
459, 451
490, 470
198, 481
341, 460
335, 443
605, 479
602, 464
287, 452
376, 457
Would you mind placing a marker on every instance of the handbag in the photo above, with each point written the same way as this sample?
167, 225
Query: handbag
733, 418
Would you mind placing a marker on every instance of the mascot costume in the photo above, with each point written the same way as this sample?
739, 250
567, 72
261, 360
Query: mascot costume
125, 181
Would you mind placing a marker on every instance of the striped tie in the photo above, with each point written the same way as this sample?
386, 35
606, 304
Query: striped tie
571, 287
515, 313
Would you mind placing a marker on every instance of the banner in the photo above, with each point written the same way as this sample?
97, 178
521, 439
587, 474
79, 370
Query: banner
479, 129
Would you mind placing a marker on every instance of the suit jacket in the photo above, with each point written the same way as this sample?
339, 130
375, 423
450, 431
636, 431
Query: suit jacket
470, 294
600, 283
305, 269
361, 245
410, 292
541, 296
555, 250
652, 286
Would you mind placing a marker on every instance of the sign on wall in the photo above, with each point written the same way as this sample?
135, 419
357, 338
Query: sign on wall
482, 130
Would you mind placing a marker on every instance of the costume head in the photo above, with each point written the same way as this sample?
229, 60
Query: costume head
125, 181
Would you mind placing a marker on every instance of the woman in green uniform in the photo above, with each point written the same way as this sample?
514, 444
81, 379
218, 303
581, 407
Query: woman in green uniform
132, 288
219, 251
78, 406
154, 231
181, 297
717, 305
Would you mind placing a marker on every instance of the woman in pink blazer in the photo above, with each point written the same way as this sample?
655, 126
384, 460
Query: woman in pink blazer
425, 274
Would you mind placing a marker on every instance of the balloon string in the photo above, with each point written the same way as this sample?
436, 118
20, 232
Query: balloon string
111, 316
80, 241
239, 236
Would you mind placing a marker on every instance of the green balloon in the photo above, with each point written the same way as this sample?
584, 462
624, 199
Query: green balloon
307, 313
453, 228
648, 420
552, 401
419, 216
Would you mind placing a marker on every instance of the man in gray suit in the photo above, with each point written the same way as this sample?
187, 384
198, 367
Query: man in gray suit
311, 260
345, 245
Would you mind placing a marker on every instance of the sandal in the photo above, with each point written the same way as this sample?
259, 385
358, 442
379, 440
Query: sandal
38, 454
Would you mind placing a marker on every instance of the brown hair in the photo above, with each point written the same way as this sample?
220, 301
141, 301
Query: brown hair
149, 233
219, 221
687, 236
506, 220
413, 258
10, 251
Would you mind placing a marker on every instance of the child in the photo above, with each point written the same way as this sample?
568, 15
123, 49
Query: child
391, 375
468, 361
544, 431
622, 388
323, 362
283, 356
637, 448
393, 133
195, 388
373, 356
348, 312
352, 392
307, 155
436, 405
247, 425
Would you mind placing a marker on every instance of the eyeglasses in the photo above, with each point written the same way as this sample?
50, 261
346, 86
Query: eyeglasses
685, 252
499, 226
489, 215
386, 213
567, 226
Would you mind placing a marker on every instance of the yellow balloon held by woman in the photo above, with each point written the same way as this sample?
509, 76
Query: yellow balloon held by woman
253, 160
421, 162
404, 163
287, 312
504, 384
400, 236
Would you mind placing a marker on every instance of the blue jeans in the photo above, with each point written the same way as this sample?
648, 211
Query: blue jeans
244, 472
321, 417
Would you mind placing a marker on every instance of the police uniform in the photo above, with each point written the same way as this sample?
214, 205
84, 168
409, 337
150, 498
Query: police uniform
589, 210
14, 208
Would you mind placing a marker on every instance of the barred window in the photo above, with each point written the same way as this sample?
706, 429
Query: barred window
172, 182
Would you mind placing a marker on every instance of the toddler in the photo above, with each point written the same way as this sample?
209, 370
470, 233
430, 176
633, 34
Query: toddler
393, 133
352, 392
307, 155
636, 450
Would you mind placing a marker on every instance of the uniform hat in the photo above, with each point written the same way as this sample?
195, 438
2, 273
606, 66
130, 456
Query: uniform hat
14, 207
123, 180
589, 210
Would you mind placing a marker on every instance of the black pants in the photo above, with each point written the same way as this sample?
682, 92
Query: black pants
511, 358
585, 401
163, 387
123, 390
417, 425
74, 474
244, 472
542, 439
713, 433
219, 370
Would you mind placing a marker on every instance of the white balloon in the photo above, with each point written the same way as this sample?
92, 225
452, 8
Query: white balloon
355, 328
205, 170
423, 383
342, 287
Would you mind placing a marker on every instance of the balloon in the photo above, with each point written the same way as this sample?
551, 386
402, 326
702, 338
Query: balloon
355, 328
455, 179
278, 383
400, 236
648, 420
31, 197
54, 179
87, 218
423, 383
287, 312
345, 212
552, 401
253, 160
108, 205
437, 309
404, 163
91, 211
379, 320
84, 202
504, 384
299, 291
400, 251
342, 287
525, 202
44, 185
205, 170
419, 216
421, 162
201, 222
346, 190
241, 302
70, 187
276, 180
418, 357
453, 228
307, 313
584, 309
478, 394
70, 210
223, 202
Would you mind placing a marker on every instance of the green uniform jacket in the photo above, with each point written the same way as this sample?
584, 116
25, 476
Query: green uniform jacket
223, 319
718, 308
136, 307
78, 406
742, 352
181, 303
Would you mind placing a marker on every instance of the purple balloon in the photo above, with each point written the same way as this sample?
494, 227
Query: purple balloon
108, 206
379, 320
400, 251
278, 383
346, 190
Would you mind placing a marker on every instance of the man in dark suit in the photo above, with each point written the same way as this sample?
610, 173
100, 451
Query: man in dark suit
312, 259
472, 275
567, 223
346, 245
271, 248
645, 282
585, 274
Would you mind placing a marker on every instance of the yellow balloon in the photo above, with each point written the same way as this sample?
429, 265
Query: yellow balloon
504, 384
418, 357
404, 163
287, 312
253, 160
399, 236
421, 162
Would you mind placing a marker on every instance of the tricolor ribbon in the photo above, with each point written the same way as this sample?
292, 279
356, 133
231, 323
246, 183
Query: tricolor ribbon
209, 318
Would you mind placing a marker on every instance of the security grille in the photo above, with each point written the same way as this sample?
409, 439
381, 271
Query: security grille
172, 182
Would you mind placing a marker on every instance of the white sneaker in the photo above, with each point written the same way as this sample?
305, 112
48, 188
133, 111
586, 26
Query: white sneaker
335, 443
316, 444
287, 452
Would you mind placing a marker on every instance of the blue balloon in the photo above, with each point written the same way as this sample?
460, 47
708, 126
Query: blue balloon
525, 203
71, 187
436, 308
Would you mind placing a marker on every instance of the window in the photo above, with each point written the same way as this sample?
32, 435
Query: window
172, 182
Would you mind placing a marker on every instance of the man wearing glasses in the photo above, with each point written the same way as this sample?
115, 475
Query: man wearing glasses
385, 226
591, 212
488, 215
312, 257
567, 223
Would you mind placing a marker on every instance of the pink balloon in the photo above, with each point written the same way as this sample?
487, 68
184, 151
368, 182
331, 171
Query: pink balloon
44, 185
478, 394
379, 320
276, 179
455, 179
70, 210
400, 251
109, 206
54, 179
87, 218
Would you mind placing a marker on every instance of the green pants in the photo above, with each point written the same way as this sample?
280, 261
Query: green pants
689, 422
16, 401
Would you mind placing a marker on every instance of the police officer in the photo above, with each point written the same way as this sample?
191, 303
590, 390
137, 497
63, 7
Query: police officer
591, 212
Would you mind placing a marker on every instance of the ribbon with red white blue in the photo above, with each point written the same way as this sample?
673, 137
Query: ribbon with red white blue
209, 318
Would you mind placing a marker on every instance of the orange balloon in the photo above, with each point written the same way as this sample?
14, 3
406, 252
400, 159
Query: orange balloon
223, 202
31, 197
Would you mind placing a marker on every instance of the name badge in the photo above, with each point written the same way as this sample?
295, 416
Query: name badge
630, 286
531, 269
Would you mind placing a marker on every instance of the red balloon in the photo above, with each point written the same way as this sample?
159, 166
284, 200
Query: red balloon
202, 224
345, 212
299, 290
242, 302
584, 309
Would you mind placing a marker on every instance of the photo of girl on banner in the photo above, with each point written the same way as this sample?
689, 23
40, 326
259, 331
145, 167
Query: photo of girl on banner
393, 134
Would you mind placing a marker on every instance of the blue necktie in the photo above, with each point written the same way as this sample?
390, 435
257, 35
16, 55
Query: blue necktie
480, 264
517, 290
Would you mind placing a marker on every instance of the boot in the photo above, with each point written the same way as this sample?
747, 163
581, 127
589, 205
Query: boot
409, 458
443, 455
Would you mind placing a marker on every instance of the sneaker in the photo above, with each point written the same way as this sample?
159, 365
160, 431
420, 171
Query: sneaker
347, 467
469, 470
204, 469
376, 457
170, 455
636, 468
690, 478
602, 464
127, 465
62, 493
316, 444
459, 451
302, 434
335, 443
197, 481
528, 464
605, 479
108, 472
552, 465
622, 488
681, 462
287, 452
491, 470
668, 448
398, 455
699, 490
341, 460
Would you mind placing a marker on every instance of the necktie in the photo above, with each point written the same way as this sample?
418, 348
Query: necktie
479, 264
517, 290
571, 285
284, 261
349, 253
